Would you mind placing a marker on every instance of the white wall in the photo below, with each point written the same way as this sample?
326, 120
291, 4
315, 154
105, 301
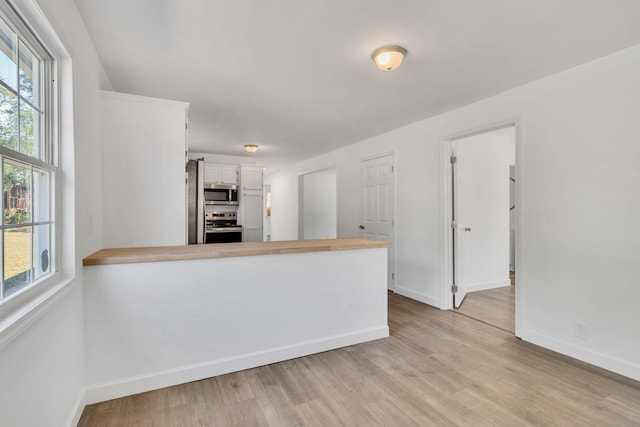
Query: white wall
143, 163
42, 368
577, 173
318, 205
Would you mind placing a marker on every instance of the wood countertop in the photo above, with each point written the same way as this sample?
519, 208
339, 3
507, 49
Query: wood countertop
224, 250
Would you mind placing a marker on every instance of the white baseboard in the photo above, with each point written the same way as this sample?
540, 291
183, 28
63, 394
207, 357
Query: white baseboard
139, 384
489, 285
622, 367
76, 413
418, 296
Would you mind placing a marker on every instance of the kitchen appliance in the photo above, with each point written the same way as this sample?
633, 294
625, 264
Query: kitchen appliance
221, 226
221, 194
195, 201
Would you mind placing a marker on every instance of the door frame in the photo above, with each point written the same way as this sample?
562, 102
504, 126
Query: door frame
394, 284
446, 202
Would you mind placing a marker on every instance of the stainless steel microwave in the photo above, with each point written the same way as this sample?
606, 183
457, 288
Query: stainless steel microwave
220, 194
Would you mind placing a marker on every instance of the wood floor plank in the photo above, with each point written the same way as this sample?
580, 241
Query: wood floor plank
234, 388
388, 413
318, 413
438, 368
274, 404
493, 306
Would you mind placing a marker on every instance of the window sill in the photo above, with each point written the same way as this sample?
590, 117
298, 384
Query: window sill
22, 309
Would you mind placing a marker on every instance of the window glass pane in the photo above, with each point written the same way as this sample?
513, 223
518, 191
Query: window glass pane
27, 228
41, 250
41, 195
17, 259
29, 75
8, 67
8, 119
17, 193
29, 131
27, 231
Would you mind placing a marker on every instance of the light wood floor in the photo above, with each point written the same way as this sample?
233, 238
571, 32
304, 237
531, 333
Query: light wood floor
494, 306
437, 368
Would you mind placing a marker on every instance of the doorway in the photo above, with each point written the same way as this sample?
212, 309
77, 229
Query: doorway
377, 206
483, 225
317, 205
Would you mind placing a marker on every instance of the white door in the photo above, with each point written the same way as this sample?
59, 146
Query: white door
377, 205
481, 213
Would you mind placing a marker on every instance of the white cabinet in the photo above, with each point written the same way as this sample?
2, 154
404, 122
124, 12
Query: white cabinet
143, 157
251, 178
228, 175
251, 203
220, 174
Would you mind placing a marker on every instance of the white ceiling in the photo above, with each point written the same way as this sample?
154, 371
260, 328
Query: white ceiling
296, 77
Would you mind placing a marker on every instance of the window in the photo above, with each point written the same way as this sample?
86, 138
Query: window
27, 164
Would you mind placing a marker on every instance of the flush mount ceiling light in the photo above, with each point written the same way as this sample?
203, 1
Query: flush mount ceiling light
389, 58
250, 148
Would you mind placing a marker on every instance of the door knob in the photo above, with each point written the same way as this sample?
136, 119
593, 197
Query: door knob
361, 227
467, 229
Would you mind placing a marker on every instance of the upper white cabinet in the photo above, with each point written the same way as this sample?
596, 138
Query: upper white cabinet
220, 174
252, 178
229, 174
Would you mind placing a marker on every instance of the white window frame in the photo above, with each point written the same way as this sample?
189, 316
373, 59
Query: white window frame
22, 308
45, 161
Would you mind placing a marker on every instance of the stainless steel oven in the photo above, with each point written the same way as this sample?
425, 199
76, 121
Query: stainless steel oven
221, 227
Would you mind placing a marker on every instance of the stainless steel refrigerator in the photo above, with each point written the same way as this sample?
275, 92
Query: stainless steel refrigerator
195, 201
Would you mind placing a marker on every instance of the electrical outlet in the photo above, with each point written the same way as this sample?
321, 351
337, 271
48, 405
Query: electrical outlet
581, 330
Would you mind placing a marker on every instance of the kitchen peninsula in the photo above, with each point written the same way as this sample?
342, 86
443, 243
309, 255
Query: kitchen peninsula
162, 316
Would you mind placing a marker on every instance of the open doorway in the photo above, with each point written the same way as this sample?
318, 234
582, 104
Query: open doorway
317, 205
483, 212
